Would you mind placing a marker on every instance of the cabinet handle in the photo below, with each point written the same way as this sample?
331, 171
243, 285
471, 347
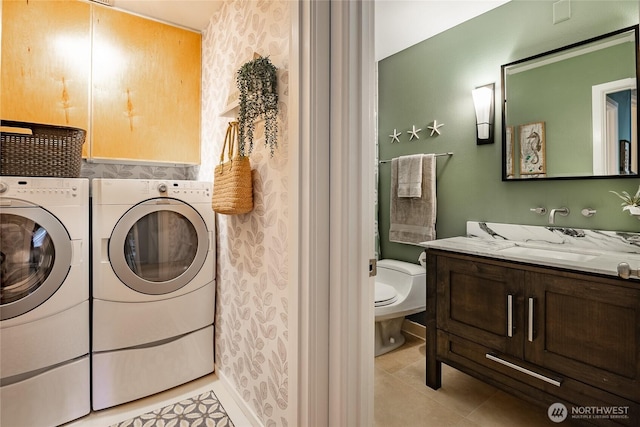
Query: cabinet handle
510, 316
530, 331
495, 358
625, 271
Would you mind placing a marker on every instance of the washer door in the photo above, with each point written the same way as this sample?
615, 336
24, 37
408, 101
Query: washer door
35, 257
158, 246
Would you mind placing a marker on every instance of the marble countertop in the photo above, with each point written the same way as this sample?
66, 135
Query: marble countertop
580, 250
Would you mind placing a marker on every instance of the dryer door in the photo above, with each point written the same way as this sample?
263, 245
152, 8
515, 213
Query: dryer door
35, 257
158, 246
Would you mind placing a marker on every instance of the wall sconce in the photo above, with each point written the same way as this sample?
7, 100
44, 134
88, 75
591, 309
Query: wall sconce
483, 100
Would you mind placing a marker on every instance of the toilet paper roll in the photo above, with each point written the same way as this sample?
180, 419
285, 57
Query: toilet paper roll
422, 259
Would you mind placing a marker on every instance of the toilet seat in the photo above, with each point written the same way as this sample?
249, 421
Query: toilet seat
385, 295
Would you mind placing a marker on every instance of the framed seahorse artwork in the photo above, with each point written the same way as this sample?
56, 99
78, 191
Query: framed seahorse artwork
532, 149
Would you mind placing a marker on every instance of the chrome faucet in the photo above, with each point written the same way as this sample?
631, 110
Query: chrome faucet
559, 211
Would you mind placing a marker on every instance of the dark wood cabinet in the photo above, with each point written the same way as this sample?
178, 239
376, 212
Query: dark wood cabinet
544, 334
482, 301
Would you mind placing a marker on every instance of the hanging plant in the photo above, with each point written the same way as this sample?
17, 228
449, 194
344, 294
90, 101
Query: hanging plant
257, 83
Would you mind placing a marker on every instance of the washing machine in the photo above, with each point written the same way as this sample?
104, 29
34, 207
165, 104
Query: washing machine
44, 300
153, 286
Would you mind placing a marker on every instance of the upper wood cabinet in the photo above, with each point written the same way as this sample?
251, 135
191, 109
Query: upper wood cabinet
131, 82
146, 89
46, 62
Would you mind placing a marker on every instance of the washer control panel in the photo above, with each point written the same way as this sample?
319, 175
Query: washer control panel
43, 190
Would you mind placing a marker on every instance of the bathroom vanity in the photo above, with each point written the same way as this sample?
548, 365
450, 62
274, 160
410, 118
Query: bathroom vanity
540, 313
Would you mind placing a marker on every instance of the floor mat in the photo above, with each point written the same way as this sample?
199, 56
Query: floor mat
204, 410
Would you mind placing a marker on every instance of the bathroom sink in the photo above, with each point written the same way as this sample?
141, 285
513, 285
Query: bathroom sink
547, 253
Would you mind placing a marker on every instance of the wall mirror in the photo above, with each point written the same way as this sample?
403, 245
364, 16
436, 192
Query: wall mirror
571, 113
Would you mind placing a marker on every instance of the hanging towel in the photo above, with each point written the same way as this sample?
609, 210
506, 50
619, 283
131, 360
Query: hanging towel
413, 220
410, 176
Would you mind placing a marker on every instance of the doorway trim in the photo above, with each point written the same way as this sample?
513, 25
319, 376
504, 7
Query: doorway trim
599, 120
332, 97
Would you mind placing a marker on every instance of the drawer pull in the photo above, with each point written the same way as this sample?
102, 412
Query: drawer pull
530, 331
510, 316
523, 370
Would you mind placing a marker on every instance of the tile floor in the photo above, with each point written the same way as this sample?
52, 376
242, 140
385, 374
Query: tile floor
403, 400
110, 416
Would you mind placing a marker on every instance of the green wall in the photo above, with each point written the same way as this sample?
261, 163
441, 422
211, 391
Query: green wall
433, 81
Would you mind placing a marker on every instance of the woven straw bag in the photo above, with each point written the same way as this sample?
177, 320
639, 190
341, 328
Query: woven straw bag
232, 185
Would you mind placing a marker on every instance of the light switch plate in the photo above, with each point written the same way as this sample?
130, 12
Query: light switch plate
561, 11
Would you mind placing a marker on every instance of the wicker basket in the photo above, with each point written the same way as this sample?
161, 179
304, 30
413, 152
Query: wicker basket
34, 149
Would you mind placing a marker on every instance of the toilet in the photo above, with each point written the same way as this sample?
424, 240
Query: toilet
401, 290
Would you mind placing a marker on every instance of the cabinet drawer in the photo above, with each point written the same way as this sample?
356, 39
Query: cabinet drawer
460, 351
471, 358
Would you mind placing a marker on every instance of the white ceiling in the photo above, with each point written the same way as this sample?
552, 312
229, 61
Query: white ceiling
403, 23
193, 14
399, 23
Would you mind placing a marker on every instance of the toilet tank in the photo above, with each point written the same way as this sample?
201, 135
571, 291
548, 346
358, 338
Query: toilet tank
400, 274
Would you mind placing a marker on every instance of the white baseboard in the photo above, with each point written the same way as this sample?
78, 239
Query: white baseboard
231, 388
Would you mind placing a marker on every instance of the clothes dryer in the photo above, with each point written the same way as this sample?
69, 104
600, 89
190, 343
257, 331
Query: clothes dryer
153, 286
44, 300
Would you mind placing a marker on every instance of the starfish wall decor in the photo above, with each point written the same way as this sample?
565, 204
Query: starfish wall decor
413, 133
435, 128
394, 137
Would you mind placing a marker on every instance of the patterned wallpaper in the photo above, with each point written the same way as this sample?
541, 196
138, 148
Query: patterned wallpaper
252, 300
133, 171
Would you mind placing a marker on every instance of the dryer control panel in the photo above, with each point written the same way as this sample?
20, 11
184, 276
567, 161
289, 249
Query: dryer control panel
186, 190
132, 191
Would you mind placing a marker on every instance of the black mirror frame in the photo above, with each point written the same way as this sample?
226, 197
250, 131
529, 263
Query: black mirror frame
635, 29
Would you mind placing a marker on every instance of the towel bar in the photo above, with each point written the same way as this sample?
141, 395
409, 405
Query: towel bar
437, 155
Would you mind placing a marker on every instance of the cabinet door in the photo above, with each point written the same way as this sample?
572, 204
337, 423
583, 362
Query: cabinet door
587, 328
146, 89
481, 302
46, 62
